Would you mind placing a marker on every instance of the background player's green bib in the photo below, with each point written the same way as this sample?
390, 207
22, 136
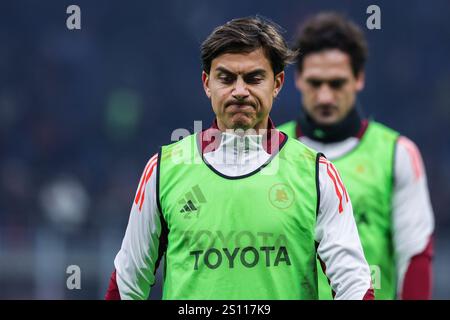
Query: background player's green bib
367, 172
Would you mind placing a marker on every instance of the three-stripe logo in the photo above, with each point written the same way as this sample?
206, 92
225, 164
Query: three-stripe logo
149, 168
339, 187
191, 202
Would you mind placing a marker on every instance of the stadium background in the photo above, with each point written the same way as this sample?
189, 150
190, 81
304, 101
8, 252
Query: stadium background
82, 111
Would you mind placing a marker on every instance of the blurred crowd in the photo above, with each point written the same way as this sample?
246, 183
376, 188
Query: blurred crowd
82, 111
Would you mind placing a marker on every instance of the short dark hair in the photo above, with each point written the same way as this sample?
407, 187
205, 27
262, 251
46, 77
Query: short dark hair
331, 30
244, 35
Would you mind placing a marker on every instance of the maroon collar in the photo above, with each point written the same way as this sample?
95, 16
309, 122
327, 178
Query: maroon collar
362, 129
211, 138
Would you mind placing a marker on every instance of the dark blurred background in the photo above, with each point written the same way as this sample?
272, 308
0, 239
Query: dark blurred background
82, 111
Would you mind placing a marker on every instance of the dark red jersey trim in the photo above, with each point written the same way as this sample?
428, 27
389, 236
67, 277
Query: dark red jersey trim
417, 284
113, 290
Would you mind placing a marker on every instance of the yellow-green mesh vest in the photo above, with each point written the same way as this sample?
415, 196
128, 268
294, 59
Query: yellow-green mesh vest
367, 172
250, 237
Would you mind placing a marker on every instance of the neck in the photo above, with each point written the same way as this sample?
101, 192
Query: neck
271, 138
351, 126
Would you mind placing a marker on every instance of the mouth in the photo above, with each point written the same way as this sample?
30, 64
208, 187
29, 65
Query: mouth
240, 107
326, 110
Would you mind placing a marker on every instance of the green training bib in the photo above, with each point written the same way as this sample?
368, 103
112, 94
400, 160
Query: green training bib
248, 237
367, 172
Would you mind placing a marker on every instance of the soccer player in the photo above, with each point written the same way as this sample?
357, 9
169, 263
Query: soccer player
382, 170
239, 210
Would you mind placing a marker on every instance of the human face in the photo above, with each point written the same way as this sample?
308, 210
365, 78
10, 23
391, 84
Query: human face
328, 85
242, 87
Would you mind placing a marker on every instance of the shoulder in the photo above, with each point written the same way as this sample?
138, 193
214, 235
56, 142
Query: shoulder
148, 179
382, 129
182, 141
286, 125
288, 128
408, 160
298, 146
180, 151
406, 143
332, 189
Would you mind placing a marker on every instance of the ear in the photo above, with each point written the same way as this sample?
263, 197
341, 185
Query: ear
205, 80
279, 81
360, 81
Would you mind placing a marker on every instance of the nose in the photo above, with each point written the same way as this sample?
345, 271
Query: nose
240, 91
325, 94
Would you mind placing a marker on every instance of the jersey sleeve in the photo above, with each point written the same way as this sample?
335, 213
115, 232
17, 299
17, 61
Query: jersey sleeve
143, 243
339, 247
413, 220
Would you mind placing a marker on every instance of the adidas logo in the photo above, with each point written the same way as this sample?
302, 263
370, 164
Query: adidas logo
188, 207
192, 200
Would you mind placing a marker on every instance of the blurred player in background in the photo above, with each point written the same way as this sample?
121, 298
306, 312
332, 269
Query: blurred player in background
382, 170
239, 210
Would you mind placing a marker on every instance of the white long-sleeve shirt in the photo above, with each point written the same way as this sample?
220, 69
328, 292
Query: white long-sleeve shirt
338, 241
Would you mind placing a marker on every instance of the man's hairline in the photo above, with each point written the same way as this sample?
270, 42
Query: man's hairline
245, 52
299, 67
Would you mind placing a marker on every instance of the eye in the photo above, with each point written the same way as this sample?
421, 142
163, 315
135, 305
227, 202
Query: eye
254, 79
337, 84
315, 83
225, 78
